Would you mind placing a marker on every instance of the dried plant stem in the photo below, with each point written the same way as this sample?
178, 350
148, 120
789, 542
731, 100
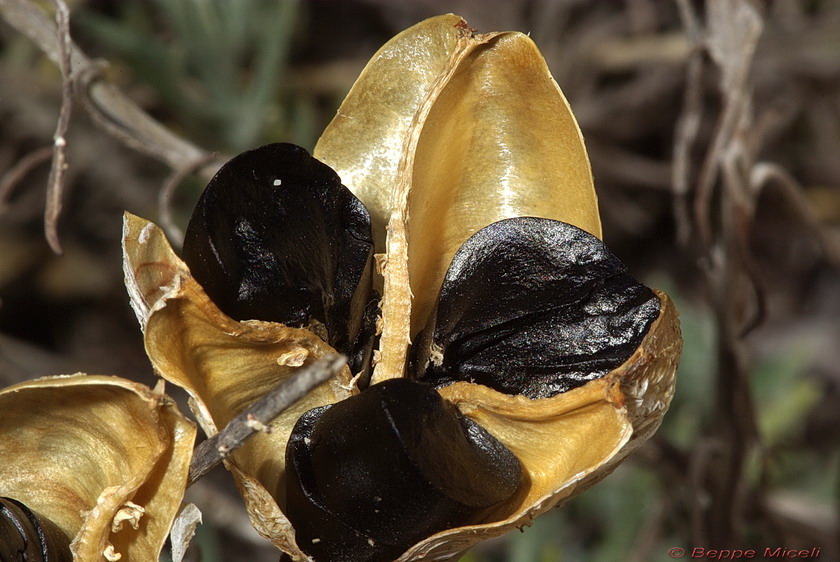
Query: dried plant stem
55, 184
167, 191
108, 106
718, 467
734, 411
732, 34
766, 173
688, 124
17, 172
258, 417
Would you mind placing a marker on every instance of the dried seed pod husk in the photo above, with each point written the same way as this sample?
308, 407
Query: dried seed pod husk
102, 460
444, 133
224, 365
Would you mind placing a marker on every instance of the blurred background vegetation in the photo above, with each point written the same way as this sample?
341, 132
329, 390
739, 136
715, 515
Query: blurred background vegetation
232, 75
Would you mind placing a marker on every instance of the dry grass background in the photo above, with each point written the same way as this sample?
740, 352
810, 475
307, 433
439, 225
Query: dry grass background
714, 134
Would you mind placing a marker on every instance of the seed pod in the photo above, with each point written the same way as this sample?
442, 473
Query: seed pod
97, 467
475, 132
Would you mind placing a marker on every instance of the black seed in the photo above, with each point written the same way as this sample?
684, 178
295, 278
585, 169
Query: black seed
275, 236
534, 307
28, 537
374, 474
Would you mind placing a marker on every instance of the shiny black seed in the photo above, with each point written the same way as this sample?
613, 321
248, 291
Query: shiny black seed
275, 236
28, 537
534, 307
374, 474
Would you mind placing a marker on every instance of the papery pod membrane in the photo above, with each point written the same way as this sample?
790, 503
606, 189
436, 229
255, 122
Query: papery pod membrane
224, 365
444, 133
103, 458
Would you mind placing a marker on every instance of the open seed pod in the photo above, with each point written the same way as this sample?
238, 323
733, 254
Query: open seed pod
94, 466
514, 349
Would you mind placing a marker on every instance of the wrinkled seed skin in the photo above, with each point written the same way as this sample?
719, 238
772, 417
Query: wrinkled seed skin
535, 307
276, 237
374, 474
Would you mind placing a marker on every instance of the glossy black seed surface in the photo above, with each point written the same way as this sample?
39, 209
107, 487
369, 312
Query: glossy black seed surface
24, 536
372, 475
275, 236
535, 307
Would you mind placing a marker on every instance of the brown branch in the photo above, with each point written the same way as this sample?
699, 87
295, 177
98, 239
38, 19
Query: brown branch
734, 59
728, 276
739, 213
688, 124
55, 183
764, 174
258, 417
718, 467
168, 190
108, 106
700, 459
20, 170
